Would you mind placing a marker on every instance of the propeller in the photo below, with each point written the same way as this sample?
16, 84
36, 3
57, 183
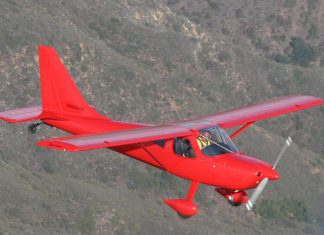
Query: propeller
258, 190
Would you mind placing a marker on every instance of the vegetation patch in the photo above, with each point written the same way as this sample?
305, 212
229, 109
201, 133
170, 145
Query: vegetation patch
286, 208
224, 56
13, 212
299, 53
302, 52
88, 221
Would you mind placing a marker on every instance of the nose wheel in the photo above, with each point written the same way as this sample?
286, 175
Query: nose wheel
232, 203
32, 128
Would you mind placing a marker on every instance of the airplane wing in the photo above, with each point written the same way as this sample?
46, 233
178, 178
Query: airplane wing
227, 119
256, 112
21, 115
117, 138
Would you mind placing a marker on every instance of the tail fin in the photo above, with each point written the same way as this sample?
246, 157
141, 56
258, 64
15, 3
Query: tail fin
58, 91
59, 94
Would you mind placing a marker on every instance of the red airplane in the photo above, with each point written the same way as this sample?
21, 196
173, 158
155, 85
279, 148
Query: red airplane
197, 150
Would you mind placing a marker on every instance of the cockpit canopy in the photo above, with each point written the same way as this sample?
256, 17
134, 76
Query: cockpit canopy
214, 141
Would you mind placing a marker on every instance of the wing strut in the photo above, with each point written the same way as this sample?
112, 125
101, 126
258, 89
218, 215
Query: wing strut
152, 156
239, 131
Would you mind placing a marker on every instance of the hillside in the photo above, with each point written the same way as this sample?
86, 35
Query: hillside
158, 61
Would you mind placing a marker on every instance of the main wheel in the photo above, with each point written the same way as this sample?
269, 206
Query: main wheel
183, 216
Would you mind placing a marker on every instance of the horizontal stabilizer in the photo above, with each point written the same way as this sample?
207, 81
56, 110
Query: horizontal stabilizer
21, 115
117, 138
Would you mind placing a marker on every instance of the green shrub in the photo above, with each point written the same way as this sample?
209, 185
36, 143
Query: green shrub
299, 76
261, 45
179, 101
172, 2
313, 32
176, 27
289, 3
322, 62
224, 56
48, 165
279, 37
278, 21
13, 212
281, 59
250, 33
214, 4
88, 221
312, 4
239, 13
302, 53
286, 208
225, 31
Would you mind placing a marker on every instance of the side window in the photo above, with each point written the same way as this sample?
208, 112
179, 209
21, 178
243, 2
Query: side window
182, 147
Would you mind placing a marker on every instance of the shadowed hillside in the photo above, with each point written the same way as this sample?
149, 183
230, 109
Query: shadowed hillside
159, 61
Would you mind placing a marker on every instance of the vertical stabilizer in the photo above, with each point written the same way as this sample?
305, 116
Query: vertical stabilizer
58, 91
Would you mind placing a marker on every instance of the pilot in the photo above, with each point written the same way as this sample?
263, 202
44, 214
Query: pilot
203, 141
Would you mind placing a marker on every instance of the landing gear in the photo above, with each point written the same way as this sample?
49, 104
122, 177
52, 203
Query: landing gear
32, 128
232, 203
185, 207
183, 216
234, 197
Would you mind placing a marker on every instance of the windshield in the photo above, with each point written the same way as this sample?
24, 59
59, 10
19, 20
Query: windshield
214, 141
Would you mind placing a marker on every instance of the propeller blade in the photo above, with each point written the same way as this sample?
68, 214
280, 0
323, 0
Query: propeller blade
283, 150
257, 192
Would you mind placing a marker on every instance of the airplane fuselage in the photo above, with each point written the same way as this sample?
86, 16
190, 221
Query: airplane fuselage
234, 171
